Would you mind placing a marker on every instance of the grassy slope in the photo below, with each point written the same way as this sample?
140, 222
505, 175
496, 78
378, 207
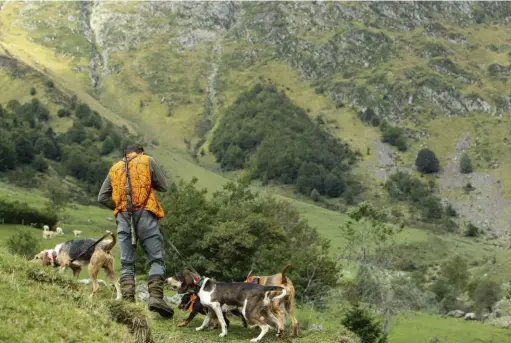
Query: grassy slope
25, 303
36, 313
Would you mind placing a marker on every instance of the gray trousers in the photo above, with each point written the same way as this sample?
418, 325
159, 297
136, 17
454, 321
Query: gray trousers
149, 235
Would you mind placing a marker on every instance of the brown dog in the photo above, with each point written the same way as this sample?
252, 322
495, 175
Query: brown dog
76, 253
279, 279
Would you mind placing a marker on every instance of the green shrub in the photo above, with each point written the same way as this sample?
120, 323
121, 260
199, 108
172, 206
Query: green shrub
33, 91
108, 146
233, 159
472, 230
455, 272
236, 228
49, 84
63, 113
427, 162
16, 212
485, 293
394, 136
315, 195
450, 211
23, 244
40, 164
360, 322
465, 164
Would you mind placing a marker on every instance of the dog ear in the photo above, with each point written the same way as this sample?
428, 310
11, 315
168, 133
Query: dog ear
46, 260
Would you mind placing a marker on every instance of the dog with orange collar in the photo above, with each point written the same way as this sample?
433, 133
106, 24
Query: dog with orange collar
190, 302
251, 299
78, 253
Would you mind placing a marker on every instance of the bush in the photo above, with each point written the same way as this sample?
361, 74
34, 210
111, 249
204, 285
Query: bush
315, 195
431, 207
394, 136
360, 322
24, 150
49, 84
455, 272
40, 164
33, 91
472, 230
450, 211
16, 213
82, 111
233, 159
485, 294
23, 244
108, 146
236, 228
427, 162
63, 113
465, 164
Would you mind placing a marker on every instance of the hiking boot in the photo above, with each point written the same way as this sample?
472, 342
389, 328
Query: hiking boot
128, 289
156, 302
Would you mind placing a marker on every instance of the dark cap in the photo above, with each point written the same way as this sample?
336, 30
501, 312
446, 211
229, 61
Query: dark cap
138, 148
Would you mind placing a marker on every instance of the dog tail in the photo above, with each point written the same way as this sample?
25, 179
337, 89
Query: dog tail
284, 278
110, 245
272, 295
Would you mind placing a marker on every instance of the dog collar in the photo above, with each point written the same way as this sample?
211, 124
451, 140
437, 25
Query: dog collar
54, 258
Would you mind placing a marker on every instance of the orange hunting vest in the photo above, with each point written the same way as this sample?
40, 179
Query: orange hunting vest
140, 181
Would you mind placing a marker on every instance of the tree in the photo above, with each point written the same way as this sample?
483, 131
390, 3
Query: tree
427, 162
431, 207
40, 164
236, 230
485, 294
82, 111
77, 133
371, 245
455, 272
47, 147
33, 91
24, 150
465, 164
315, 196
360, 322
13, 105
7, 152
63, 113
334, 186
233, 159
58, 196
108, 146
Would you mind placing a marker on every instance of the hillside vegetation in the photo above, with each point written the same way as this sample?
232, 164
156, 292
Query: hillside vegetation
401, 108
266, 133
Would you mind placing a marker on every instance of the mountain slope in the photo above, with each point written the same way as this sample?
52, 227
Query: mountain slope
171, 69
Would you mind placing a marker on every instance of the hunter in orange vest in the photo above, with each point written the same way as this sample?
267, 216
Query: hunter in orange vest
145, 176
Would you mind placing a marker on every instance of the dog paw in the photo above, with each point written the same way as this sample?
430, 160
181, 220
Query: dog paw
223, 334
254, 340
200, 328
180, 325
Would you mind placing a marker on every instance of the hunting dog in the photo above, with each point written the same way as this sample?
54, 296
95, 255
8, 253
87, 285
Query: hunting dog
279, 279
191, 303
253, 300
77, 253
77, 233
49, 234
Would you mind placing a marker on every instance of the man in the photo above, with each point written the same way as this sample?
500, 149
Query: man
145, 177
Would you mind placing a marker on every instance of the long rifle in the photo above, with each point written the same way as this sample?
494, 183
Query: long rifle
128, 200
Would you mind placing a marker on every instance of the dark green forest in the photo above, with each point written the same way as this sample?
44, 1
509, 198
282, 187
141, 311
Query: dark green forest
277, 141
29, 146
